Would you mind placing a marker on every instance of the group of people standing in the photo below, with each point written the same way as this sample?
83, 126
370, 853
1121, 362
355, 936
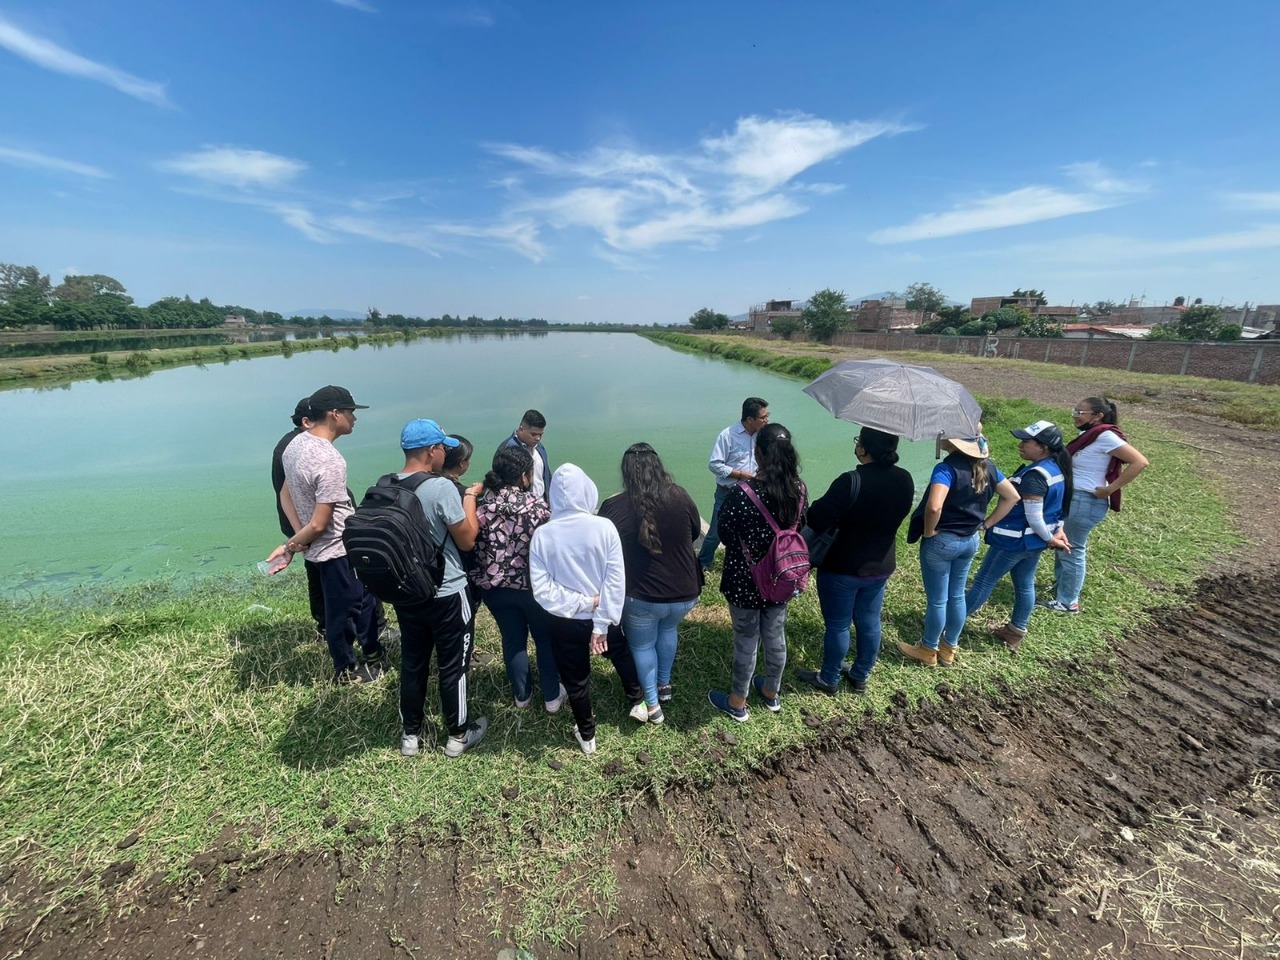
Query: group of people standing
529, 543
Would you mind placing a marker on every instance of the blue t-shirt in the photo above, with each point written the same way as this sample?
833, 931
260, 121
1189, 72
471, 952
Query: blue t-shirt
943, 474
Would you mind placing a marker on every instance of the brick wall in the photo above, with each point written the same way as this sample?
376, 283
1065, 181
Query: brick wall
1253, 362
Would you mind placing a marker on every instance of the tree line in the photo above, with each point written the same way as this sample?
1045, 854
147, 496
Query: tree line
29, 299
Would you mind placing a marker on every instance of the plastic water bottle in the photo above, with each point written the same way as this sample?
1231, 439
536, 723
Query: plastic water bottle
269, 568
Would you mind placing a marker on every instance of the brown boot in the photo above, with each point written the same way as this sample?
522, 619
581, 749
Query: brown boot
947, 654
919, 652
1010, 635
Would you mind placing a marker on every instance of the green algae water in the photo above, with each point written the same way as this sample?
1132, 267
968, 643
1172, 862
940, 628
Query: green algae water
167, 476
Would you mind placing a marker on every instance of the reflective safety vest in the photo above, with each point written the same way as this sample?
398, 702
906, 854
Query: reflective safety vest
1012, 533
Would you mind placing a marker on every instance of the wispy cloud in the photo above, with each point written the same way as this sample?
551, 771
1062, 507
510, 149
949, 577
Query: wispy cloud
1102, 249
1095, 189
45, 53
1255, 201
235, 167
357, 5
633, 201
41, 161
638, 201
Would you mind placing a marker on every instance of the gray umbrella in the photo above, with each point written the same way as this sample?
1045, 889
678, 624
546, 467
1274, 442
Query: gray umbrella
917, 403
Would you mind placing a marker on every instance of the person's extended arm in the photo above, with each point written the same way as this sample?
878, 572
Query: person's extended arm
290, 511
721, 452
933, 508
1008, 494
1134, 464
465, 530
306, 533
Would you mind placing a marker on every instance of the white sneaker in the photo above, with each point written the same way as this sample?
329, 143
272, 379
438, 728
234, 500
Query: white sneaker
522, 704
640, 713
457, 746
410, 744
588, 746
553, 706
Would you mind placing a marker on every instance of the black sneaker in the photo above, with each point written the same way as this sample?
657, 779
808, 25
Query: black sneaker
859, 686
377, 657
361, 673
812, 678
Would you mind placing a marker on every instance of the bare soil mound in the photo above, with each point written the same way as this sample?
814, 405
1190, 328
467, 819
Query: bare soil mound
961, 829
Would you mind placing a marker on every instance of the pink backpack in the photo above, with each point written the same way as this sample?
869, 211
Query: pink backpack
783, 571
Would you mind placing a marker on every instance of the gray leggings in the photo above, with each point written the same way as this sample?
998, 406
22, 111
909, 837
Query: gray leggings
751, 628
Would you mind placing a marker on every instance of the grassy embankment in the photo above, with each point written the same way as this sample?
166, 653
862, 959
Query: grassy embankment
180, 714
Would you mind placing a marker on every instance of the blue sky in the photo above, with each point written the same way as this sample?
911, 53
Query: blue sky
635, 162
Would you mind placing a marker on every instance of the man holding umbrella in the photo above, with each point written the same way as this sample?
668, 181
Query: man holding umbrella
733, 458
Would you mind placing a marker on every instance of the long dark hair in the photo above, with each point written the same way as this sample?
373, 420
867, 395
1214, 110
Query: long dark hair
647, 482
510, 464
1110, 414
455, 457
779, 471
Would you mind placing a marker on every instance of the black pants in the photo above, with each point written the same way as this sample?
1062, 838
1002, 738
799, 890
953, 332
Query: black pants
571, 646
315, 593
444, 625
348, 613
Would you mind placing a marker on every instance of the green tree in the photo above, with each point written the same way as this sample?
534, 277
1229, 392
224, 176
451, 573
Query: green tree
708, 319
826, 314
1038, 295
786, 326
926, 297
24, 294
83, 288
1201, 322
1040, 327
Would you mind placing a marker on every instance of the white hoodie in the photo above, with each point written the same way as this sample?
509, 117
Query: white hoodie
576, 555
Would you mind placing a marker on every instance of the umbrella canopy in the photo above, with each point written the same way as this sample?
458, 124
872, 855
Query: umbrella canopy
914, 402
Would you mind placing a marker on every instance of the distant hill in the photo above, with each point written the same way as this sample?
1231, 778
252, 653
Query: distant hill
332, 312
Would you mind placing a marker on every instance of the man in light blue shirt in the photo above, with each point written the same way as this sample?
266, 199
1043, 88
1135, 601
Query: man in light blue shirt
733, 458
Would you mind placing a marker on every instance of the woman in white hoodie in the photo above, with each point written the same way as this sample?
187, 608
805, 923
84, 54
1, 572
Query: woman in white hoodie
577, 574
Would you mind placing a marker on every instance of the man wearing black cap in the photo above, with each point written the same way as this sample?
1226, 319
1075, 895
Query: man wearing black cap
315, 492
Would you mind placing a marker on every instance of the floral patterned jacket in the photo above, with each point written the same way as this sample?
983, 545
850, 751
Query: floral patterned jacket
507, 519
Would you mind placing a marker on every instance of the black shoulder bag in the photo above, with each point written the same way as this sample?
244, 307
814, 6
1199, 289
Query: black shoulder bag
820, 543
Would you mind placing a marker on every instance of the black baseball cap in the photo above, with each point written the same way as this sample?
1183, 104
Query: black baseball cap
333, 398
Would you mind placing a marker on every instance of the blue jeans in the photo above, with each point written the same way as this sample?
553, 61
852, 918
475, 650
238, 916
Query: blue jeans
846, 600
651, 633
1021, 567
945, 559
1087, 511
518, 617
707, 555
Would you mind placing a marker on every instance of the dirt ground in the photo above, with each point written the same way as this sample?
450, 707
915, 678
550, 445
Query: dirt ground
1144, 824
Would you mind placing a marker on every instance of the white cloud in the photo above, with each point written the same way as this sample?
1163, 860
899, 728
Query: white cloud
762, 154
357, 5
236, 167
49, 55
1017, 207
1255, 201
41, 161
302, 220
638, 201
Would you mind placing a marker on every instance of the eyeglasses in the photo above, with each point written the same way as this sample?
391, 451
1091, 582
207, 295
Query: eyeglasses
1084, 413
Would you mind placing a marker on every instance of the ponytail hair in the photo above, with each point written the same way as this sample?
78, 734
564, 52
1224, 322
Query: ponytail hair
510, 464
779, 471
981, 475
1063, 459
1110, 413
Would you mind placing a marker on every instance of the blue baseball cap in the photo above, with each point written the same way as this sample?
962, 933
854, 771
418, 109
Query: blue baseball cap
424, 433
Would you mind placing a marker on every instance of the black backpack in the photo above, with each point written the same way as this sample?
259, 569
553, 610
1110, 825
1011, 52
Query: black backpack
389, 544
